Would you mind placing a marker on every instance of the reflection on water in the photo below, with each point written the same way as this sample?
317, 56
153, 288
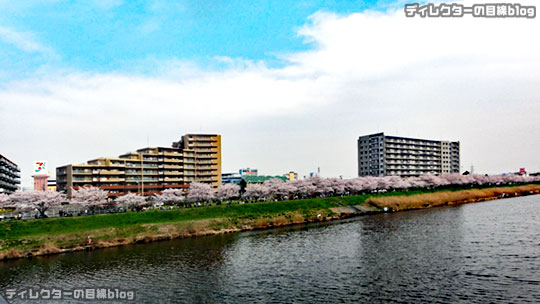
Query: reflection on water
485, 252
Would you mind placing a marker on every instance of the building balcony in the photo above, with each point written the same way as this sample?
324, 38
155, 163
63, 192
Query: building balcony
172, 167
206, 173
207, 156
150, 160
133, 172
207, 179
111, 180
110, 172
82, 180
79, 172
202, 139
172, 160
173, 179
8, 176
206, 168
150, 173
9, 186
206, 150
206, 162
173, 173
145, 167
176, 154
138, 179
203, 145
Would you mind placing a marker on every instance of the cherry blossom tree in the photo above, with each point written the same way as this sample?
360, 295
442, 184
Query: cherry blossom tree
431, 180
4, 201
355, 186
416, 182
371, 183
286, 190
337, 185
323, 186
40, 201
381, 183
397, 183
199, 192
170, 197
279, 189
228, 192
478, 179
455, 179
90, 197
532, 179
255, 192
304, 188
509, 178
131, 200
496, 179
273, 186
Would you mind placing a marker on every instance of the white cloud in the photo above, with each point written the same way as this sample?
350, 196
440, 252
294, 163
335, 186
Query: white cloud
473, 80
24, 41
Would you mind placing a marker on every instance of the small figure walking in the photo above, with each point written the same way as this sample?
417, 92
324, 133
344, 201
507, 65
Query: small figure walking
89, 240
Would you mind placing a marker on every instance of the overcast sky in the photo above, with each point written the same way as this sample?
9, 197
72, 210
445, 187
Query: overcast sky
290, 85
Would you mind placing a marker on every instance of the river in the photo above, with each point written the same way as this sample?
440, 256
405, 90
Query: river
482, 252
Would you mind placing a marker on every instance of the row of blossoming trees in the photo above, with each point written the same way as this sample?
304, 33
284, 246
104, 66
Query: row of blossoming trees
91, 198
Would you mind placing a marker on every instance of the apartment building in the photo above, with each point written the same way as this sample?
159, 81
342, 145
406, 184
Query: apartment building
9, 176
203, 157
149, 170
382, 155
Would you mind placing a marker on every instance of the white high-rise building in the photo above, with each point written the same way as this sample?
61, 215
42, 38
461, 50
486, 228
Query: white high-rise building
381, 155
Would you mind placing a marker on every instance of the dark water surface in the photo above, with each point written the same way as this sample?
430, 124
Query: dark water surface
484, 252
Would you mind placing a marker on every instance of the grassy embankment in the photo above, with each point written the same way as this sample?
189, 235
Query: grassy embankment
444, 198
55, 235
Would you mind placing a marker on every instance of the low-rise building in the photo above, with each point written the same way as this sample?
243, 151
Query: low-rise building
248, 172
259, 180
40, 182
227, 178
237, 177
51, 184
291, 175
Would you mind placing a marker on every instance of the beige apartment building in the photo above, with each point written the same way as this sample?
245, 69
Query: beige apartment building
204, 157
195, 158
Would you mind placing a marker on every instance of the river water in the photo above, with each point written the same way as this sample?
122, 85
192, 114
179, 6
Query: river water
483, 252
